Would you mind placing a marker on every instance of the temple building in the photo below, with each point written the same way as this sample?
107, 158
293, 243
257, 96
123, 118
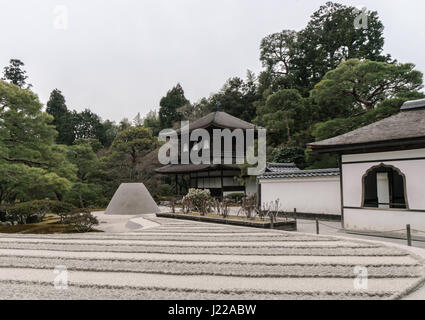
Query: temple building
382, 172
220, 179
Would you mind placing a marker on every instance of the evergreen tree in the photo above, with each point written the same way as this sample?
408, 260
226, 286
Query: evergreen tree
360, 85
30, 165
169, 104
15, 75
133, 143
138, 120
62, 118
152, 122
300, 59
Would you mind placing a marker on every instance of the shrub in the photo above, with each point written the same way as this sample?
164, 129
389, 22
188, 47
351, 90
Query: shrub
221, 208
235, 197
272, 210
33, 219
62, 209
27, 212
249, 206
81, 220
289, 154
35, 211
165, 190
164, 193
197, 199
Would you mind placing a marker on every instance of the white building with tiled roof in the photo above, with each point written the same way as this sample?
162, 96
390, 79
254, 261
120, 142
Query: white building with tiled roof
383, 172
313, 193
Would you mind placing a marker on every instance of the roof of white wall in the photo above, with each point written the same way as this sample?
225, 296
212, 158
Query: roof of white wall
291, 174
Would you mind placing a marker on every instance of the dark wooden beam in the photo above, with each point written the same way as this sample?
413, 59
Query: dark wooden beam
197, 180
341, 186
222, 184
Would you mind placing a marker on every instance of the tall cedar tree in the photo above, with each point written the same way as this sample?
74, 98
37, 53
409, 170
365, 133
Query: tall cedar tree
169, 104
62, 118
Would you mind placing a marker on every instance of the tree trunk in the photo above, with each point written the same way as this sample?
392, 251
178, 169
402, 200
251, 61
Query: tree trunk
288, 130
133, 165
59, 196
81, 200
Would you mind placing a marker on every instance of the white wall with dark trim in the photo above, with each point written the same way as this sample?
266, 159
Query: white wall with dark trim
311, 195
411, 163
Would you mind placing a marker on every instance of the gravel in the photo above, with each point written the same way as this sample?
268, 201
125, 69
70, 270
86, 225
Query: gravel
171, 259
353, 250
34, 290
221, 269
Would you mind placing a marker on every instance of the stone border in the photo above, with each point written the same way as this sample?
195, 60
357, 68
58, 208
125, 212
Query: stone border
311, 216
279, 225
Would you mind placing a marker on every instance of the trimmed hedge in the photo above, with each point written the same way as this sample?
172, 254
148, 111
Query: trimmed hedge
80, 220
34, 211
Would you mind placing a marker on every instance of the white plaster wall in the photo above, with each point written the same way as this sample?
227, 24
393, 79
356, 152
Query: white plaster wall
382, 220
319, 195
379, 156
414, 170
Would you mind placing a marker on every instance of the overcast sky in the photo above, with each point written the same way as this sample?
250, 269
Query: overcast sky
119, 57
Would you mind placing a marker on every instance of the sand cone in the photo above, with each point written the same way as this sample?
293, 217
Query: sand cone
132, 199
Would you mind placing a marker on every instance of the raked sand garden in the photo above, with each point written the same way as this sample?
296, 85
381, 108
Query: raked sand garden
146, 257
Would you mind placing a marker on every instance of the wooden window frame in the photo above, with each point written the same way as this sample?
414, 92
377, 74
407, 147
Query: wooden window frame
384, 166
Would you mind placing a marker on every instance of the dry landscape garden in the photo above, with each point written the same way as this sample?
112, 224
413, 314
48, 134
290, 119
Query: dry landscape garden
173, 259
89, 194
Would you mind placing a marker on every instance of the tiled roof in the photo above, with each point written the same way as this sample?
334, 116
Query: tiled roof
414, 104
301, 174
186, 168
281, 167
221, 120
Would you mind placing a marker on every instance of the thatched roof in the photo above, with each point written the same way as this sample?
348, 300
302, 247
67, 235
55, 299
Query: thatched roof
220, 119
406, 128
